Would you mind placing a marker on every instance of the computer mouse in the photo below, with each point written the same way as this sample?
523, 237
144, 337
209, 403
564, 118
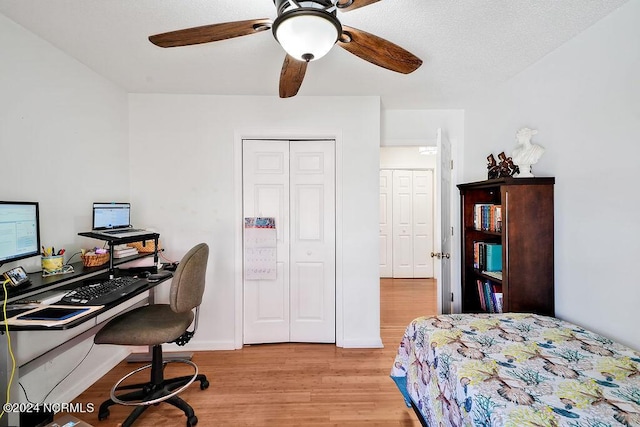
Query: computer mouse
158, 276
145, 274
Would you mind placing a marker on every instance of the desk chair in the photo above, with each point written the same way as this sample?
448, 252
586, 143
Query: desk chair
153, 325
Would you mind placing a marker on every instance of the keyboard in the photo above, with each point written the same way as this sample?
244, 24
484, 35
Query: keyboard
105, 292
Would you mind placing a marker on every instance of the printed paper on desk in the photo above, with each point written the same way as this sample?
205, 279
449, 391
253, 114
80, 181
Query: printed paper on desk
260, 254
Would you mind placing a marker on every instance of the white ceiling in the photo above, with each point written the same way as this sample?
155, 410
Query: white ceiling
465, 45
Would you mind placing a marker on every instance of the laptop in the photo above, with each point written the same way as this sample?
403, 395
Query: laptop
114, 220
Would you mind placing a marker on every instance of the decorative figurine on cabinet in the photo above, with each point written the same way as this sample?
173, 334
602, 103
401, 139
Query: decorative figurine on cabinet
526, 153
503, 169
507, 168
492, 167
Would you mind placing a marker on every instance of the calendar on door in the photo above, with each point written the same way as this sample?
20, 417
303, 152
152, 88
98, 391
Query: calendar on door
260, 248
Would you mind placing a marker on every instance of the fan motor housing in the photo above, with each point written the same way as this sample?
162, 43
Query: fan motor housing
283, 6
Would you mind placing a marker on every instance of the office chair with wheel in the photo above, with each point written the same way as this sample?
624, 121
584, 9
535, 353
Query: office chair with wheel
153, 325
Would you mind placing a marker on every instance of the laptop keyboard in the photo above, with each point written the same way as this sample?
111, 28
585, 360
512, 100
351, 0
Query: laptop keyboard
105, 292
124, 230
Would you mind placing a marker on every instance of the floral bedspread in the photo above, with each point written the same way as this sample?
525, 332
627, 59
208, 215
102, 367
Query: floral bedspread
516, 370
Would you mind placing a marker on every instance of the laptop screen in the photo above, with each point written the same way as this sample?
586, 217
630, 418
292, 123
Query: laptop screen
111, 215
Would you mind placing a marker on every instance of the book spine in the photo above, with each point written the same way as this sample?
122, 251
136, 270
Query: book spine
494, 257
498, 218
476, 255
499, 302
483, 305
487, 297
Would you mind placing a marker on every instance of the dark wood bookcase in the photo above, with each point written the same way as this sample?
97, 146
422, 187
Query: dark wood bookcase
526, 236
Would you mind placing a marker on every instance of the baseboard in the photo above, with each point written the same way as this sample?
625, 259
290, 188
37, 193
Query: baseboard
198, 346
363, 343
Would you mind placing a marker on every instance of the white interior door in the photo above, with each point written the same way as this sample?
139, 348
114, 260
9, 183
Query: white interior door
422, 224
445, 167
293, 181
402, 224
266, 194
312, 250
412, 224
386, 224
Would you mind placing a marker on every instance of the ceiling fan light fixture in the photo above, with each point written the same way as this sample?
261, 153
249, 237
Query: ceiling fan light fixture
307, 34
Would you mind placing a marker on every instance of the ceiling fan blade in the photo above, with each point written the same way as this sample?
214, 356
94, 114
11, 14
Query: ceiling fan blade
210, 33
291, 76
347, 5
378, 51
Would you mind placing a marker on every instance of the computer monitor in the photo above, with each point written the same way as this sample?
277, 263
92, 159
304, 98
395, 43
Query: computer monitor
19, 231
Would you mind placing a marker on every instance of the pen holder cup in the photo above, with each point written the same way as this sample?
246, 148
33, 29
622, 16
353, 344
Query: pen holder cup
52, 264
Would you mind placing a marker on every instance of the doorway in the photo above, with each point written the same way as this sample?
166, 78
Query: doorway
407, 205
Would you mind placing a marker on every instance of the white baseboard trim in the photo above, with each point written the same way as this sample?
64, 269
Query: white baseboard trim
363, 343
199, 346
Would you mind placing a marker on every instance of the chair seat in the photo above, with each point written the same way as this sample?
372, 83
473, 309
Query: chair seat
148, 325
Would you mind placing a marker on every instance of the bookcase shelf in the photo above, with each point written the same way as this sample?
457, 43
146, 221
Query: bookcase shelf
525, 210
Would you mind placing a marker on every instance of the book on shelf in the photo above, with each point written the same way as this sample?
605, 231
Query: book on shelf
122, 253
498, 296
483, 303
487, 217
495, 274
490, 296
487, 256
493, 257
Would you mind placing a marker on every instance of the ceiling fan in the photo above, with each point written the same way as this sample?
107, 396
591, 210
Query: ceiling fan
306, 30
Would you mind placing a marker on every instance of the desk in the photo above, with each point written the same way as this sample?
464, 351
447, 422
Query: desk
41, 284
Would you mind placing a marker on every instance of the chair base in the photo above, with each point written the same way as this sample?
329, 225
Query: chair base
154, 392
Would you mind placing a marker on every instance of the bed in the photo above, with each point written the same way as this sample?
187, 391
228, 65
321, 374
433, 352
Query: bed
515, 370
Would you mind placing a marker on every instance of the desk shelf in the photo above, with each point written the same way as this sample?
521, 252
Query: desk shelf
115, 240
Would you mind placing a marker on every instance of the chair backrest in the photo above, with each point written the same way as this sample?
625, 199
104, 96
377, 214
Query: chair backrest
187, 286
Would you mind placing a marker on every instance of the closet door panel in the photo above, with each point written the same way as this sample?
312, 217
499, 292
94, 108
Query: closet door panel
266, 194
312, 290
422, 224
402, 224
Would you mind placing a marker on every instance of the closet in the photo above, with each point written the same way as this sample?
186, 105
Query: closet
406, 223
293, 182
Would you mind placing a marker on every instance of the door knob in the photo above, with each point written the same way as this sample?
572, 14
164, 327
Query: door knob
447, 256
436, 255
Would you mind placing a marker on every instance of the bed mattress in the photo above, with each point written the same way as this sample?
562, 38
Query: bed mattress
516, 370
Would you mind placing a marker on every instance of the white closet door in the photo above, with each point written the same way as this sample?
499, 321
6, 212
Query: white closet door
293, 181
422, 224
312, 250
266, 194
386, 223
412, 224
402, 224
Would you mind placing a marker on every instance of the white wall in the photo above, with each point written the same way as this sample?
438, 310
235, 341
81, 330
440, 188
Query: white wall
65, 130
405, 158
584, 99
188, 191
64, 141
419, 127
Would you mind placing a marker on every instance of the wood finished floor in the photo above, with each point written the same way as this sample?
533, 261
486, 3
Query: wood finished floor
293, 384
